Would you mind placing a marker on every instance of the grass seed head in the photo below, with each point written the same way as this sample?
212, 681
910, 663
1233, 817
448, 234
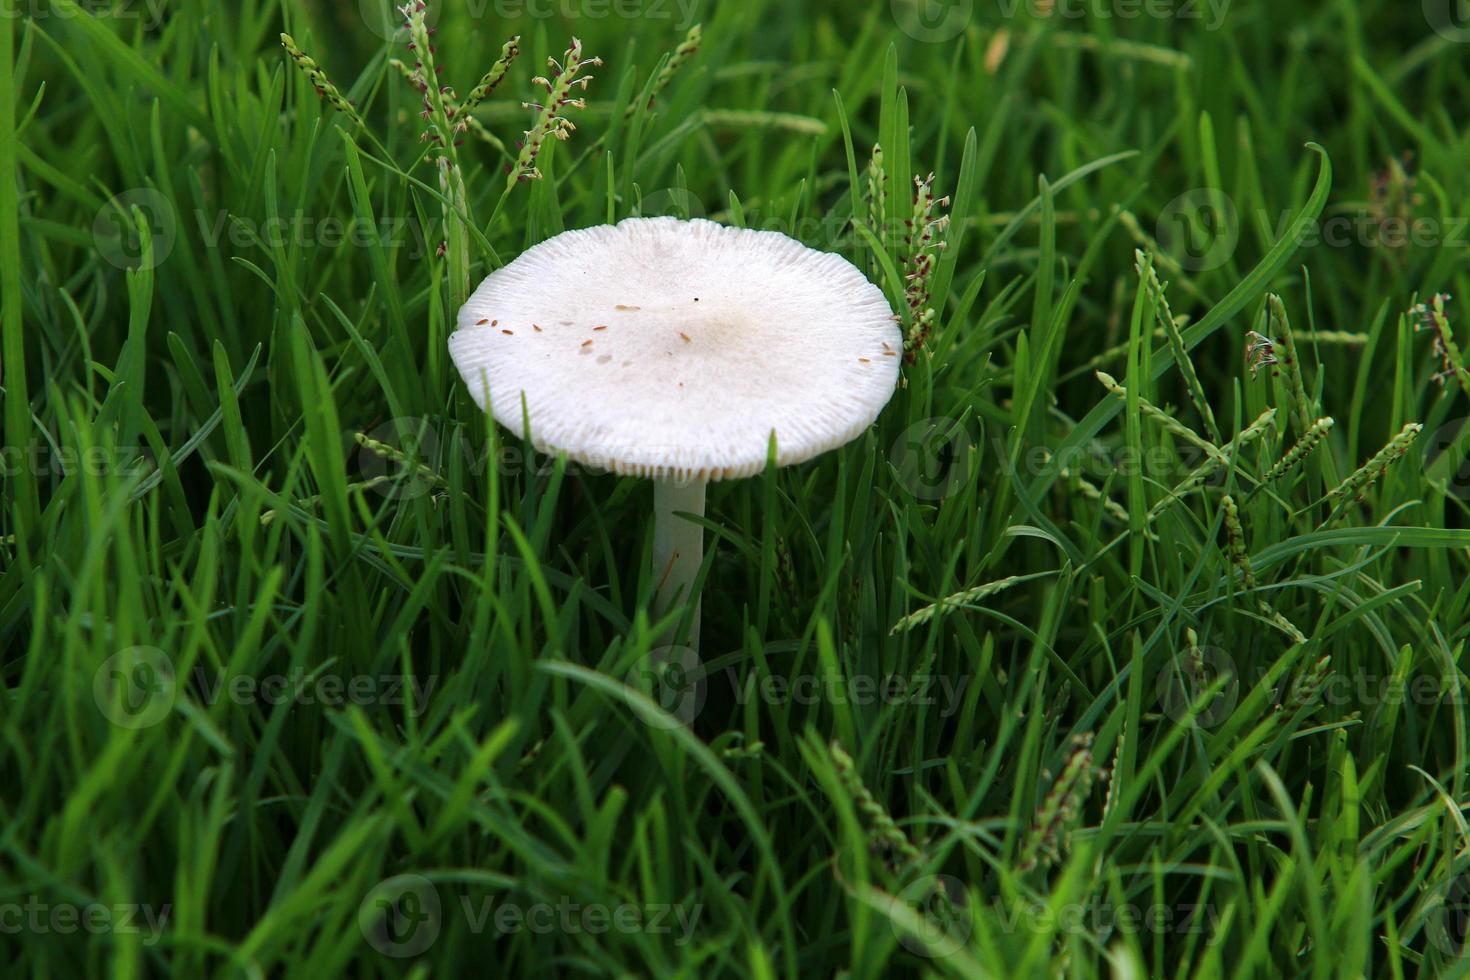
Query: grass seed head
319, 80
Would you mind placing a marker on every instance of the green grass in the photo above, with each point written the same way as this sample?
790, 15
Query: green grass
1008, 687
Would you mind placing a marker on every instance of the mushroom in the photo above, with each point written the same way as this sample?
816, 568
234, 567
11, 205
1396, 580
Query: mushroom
678, 351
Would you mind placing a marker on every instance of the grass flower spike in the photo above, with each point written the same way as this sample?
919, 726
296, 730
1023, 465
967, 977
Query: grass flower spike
1260, 352
549, 121
1301, 406
1143, 263
1431, 316
1061, 809
508, 54
877, 202
1355, 487
1168, 422
319, 80
1303, 448
686, 50
925, 242
887, 835
447, 120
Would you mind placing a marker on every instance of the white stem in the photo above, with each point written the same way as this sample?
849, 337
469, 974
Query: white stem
678, 548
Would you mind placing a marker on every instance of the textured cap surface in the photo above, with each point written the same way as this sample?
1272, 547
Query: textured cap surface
666, 348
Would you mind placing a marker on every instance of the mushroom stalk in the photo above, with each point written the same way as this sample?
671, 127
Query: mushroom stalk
678, 547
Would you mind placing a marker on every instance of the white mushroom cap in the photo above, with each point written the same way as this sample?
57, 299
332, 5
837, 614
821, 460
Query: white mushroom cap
673, 349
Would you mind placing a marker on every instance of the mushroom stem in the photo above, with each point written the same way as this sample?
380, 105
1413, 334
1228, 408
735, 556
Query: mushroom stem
678, 547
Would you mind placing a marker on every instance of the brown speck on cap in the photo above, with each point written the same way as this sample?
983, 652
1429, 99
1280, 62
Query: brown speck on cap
536, 327
627, 309
686, 337
494, 323
481, 323
603, 327
586, 343
865, 360
508, 333
889, 353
